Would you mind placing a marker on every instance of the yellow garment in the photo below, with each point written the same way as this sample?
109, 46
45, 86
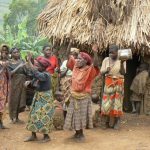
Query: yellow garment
79, 96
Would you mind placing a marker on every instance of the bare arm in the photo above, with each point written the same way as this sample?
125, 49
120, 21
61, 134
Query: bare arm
16, 69
95, 61
122, 68
95, 51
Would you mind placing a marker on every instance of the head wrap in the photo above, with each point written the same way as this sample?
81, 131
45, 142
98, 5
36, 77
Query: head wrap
74, 50
87, 57
113, 48
43, 61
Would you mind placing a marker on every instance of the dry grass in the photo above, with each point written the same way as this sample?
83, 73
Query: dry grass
124, 22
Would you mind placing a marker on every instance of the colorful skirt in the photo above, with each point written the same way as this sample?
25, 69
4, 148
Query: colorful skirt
65, 88
41, 114
112, 101
79, 114
54, 83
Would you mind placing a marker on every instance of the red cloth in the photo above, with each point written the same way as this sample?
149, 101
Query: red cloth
87, 57
71, 63
42, 60
54, 64
82, 79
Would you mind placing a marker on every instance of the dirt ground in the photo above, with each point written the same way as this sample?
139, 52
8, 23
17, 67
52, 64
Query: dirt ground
134, 135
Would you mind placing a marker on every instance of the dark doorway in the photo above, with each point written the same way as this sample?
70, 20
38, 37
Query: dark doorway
131, 72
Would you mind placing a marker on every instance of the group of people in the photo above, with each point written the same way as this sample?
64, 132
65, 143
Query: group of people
76, 75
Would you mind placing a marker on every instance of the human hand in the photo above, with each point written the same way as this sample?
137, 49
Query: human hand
95, 47
26, 84
108, 69
122, 61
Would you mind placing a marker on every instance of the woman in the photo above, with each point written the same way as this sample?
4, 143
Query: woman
42, 109
147, 96
66, 75
112, 100
4, 81
138, 88
47, 51
17, 102
79, 114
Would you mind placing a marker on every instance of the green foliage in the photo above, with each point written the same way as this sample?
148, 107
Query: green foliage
20, 26
23, 41
20, 9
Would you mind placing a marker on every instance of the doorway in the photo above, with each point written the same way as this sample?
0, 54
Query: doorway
131, 72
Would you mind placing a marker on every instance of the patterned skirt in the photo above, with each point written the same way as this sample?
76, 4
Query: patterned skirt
112, 101
41, 114
65, 88
79, 114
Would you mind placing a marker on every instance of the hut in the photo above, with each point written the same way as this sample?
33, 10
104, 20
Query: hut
124, 22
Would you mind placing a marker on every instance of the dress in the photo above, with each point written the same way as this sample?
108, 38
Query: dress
54, 75
79, 114
138, 86
43, 108
17, 102
66, 82
112, 101
147, 97
4, 87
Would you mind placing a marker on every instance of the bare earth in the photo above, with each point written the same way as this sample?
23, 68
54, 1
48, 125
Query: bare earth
134, 135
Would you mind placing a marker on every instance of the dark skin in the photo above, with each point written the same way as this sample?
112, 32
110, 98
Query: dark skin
15, 57
113, 55
40, 68
4, 55
75, 55
81, 63
3, 68
47, 52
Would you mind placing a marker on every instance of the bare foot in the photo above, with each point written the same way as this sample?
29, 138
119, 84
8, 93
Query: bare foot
30, 139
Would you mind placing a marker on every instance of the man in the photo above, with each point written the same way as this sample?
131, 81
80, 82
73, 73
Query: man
79, 114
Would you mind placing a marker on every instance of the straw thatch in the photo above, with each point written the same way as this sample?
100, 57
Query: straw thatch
124, 22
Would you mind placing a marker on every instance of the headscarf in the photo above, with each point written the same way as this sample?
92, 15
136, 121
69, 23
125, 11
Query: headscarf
113, 48
87, 57
43, 61
74, 50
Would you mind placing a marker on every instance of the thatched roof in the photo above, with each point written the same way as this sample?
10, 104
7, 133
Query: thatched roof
124, 22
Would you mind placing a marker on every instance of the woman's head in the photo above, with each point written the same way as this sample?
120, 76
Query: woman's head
15, 53
74, 52
83, 60
113, 51
47, 51
42, 63
4, 52
142, 67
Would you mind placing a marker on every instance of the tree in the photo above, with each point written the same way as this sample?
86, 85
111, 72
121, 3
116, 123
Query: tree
20, 9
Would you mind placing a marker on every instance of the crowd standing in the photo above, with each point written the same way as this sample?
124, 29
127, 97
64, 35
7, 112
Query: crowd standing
45, 88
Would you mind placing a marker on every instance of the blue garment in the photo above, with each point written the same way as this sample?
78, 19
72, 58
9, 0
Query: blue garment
41, 81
